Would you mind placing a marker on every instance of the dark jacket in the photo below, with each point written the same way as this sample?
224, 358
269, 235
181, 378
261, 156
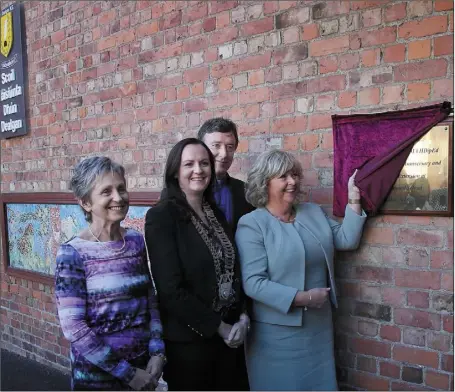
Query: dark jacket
184, 274
240, 206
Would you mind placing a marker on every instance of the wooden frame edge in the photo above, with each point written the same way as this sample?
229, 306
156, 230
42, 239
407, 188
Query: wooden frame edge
136, 199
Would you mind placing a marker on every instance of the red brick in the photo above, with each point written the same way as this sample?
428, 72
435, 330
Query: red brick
254, 62
392, 94
196, 12
370, 57
438, 341
329, 46
291, 143
289, 124
447, 362
390, 332
295, 17
442, 259
223, 99
270, 7
224, 35
381, 36
378, 235
220, 6
290, 54
417, 279
420, 237
422, 28
393, 296
418, 91
395, 12
368, 329
437, 380
418, 299
309, 32
196, 75
368, 381
415, 356
404, 386
319, 121
369, 96
447, 281
254, 95
288, 90
195, 45
370, 347
443, 88
322, 195
256, 77
389, 369
349, 61
209, 24
443, 5
443, 45
325, 84
309, 142
417, 9
374, 274
417, 318
447, 323
286, 107
256, 27
347, 99
367, 364
419, 49
394, 53
328, 64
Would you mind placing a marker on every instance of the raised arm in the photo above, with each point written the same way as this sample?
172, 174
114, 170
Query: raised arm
254, 264
165, 264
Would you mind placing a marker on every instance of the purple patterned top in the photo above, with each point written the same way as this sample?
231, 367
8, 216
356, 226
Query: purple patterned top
107, 310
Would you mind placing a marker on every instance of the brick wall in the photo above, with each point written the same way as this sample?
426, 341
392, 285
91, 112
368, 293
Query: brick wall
128, 79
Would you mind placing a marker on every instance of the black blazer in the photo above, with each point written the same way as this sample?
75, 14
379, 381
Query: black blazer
240, 206
184, 274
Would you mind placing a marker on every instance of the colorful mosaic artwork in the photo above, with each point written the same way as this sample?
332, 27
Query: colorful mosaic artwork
35, 232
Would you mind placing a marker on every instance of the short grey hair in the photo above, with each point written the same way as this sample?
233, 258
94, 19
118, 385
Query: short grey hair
87, 172
268, 165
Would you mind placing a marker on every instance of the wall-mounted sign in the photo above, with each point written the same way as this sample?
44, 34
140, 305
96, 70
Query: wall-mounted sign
424, 186
12, 86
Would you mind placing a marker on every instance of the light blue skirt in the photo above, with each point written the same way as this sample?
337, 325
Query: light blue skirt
283, 358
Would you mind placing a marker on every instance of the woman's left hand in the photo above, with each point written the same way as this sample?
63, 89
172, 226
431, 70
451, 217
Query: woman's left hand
155, 368
238, 334
353, 191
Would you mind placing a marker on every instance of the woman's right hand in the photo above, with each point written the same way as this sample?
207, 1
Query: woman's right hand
318, 297
142, 380
224, 330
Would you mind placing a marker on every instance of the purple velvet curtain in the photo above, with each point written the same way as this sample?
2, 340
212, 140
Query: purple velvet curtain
378, 145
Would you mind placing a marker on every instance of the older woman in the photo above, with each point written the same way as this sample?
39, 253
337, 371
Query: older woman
286, 254
105, 296
197, 276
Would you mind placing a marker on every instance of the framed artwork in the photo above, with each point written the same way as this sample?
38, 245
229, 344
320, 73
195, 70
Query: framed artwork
34, 225
425, 184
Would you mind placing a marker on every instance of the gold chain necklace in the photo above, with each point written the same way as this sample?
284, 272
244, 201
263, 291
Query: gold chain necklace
107, 247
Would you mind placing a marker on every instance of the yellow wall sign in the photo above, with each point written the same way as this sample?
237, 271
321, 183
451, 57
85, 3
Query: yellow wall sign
6, 33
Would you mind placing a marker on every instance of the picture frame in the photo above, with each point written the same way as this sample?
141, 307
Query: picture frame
425, 184
33, 225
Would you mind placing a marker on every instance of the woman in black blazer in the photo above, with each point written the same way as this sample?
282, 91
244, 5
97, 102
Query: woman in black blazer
197, 275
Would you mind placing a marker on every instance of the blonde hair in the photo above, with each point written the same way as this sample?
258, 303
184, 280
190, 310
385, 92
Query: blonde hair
268, 165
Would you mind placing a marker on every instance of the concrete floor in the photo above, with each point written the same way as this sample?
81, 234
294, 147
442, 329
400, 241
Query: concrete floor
22, 374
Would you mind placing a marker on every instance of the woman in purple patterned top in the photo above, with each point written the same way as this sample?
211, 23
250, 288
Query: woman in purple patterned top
105, 296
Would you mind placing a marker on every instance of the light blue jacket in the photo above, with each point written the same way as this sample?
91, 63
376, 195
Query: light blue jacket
273, 267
